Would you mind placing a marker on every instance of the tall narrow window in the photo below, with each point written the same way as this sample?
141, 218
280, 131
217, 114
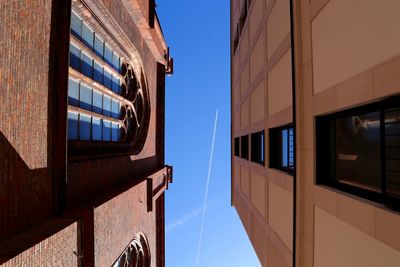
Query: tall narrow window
358, 151
108, 99
257, 147
281, 154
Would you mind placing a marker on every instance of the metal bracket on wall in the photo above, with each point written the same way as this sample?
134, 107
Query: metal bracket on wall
157, 183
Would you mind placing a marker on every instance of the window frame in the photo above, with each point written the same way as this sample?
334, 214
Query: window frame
325, 154
244, 153
236, 146
253, 147
275, 149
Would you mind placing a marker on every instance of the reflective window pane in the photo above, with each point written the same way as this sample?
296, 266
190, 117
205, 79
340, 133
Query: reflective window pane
115, 61
115, 84
85, 97
98, 72
285, 148
76, 24
358, 145
72, 125
108, 55
107, 79
87, 65
84, 127
73, 92
115, 132
87, 35
115, 109
106, 106
74, 57
98, 46
97, 102
106, 130
291, 149
96, 129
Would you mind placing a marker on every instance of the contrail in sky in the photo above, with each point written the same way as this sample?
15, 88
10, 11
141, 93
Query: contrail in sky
206, 194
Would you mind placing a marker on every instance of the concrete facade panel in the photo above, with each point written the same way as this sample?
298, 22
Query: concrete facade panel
278, 25
256, 17
280, 212
244, 80
257, 57
258, 192
337, 243
366, 35
280, 85
245, 114
245, 181
244, 46
258, 103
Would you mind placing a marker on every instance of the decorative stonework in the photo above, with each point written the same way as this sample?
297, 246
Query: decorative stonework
137, 253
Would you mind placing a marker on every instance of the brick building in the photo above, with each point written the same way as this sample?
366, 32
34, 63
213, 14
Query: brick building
315, 130
82, 173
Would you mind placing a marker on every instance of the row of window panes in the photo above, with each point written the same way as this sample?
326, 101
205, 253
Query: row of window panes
257, 147
83, 63
93, 41
85, 97
86, 128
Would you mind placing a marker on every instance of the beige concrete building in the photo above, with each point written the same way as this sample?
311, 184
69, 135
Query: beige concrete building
316, 130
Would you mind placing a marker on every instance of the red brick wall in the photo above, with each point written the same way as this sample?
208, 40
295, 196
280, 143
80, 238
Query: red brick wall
117, 221
25, 185
57, 249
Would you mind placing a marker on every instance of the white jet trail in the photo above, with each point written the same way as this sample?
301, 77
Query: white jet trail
206, 194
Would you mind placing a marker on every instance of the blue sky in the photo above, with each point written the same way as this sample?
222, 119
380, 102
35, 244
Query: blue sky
198, 34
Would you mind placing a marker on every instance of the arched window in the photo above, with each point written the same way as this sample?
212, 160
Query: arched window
108, 101
137, 253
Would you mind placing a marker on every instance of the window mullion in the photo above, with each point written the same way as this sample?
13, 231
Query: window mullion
383, 151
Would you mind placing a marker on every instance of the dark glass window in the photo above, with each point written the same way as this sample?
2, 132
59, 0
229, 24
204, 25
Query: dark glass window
244, 147
96, 129
392, 151
72, 125
76, 25
98, 72
85, 97
257, 147
357, 146
74, 57
73, 92
281, 152
237, 148
87, 35
84, 127
98, 46
358, 151
87, 65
